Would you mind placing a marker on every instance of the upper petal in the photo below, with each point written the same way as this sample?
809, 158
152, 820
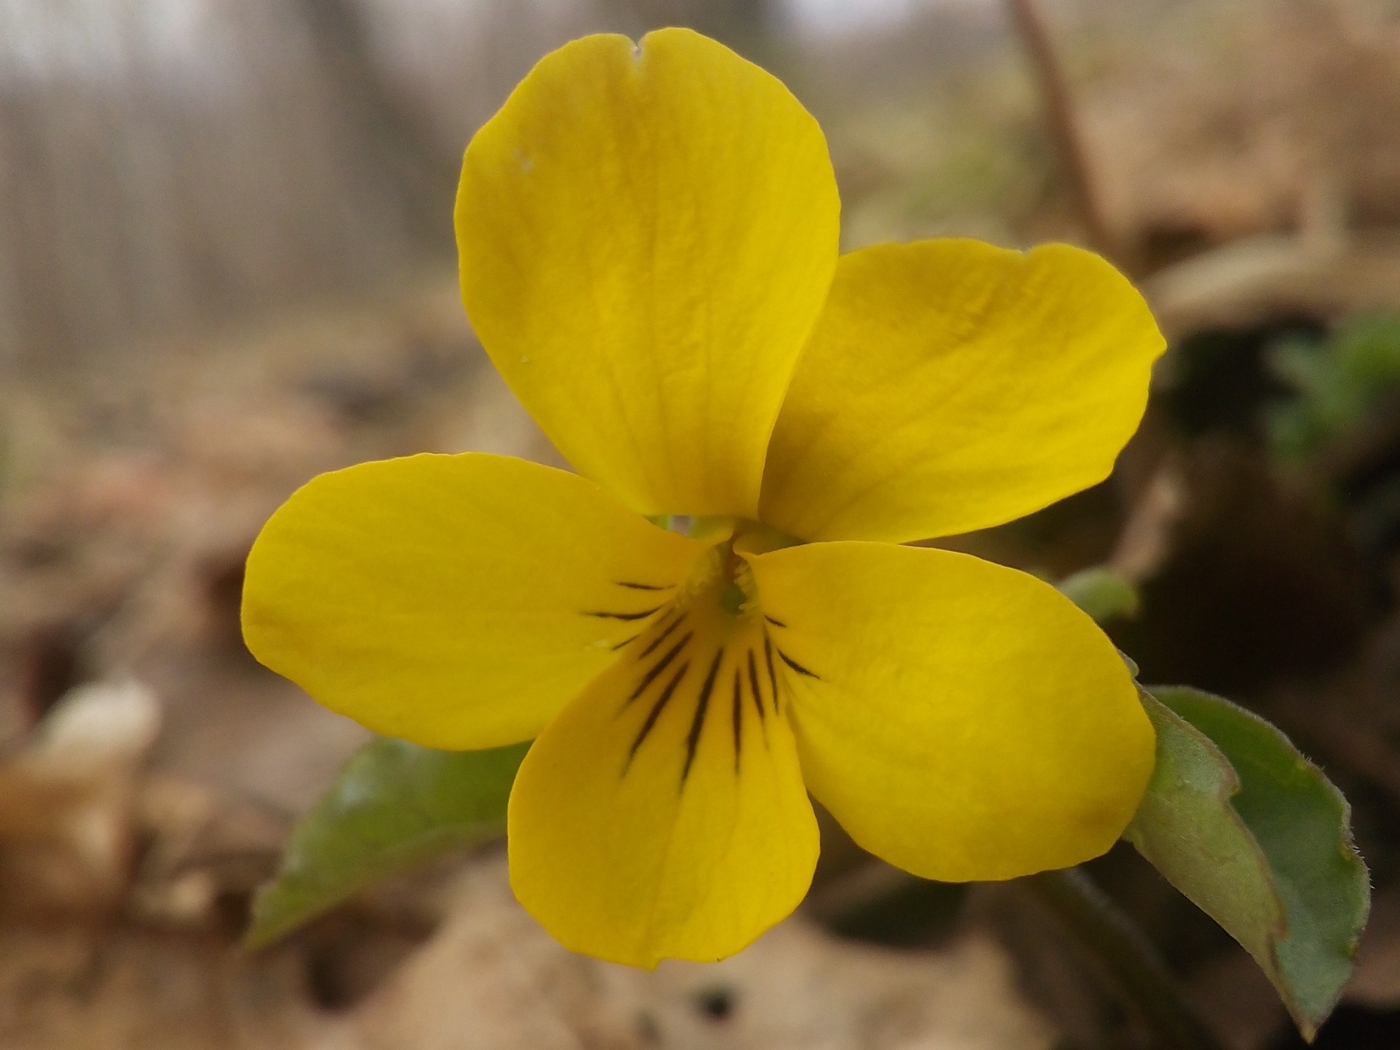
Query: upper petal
456, 601
646, 236
950, 385
960, 719
662, 814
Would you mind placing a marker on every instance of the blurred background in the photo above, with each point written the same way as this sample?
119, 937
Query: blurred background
226, 264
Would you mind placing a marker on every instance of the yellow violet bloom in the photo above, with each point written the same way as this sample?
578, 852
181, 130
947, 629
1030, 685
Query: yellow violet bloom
648, 240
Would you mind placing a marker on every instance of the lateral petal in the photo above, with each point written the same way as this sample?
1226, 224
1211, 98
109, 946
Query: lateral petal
456, 601
962, 720
950, 385
646, 236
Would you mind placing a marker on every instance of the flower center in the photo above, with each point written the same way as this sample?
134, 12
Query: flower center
705, 671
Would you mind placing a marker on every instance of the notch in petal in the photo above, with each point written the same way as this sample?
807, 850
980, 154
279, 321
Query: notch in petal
646, 237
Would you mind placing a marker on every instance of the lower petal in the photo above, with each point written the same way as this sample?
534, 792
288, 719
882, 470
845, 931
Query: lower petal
960, 719
662, 814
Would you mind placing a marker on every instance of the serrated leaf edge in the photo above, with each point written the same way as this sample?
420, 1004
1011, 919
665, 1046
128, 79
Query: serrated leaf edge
262, 933
1233, 786
1306, 1025
398, 857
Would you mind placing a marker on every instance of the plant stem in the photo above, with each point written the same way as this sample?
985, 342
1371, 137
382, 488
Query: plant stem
1063, 128
1126, 956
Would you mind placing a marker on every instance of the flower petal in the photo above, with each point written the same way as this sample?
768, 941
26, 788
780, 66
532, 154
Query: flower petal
456, 601
950, 386
662, 814
960, 719
647, 233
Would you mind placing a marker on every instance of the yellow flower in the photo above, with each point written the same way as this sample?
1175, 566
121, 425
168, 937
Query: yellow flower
648, 239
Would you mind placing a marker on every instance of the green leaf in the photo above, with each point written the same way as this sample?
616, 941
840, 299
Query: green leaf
1101, 592
1260, 840
395, 805
1338, 383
